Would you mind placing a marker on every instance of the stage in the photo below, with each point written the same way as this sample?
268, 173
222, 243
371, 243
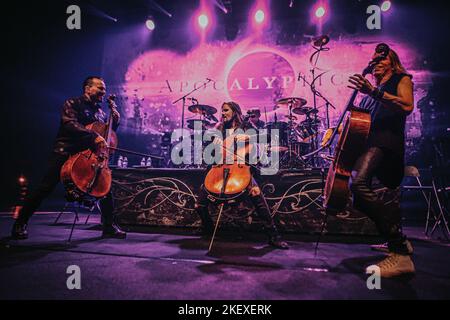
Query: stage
166, 197
129, 103
167, 263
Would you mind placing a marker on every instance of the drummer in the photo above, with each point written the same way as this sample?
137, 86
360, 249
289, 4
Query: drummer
254, 119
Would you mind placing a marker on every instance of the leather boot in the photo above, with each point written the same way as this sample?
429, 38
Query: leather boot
207, 227
113, 231
275, 238
262, 210
19, 231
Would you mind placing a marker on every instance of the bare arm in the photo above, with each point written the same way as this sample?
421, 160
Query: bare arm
403, 102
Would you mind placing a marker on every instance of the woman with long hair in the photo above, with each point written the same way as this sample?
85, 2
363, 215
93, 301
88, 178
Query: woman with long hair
233, 120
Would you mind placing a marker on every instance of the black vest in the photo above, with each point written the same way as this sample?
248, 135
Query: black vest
387, 132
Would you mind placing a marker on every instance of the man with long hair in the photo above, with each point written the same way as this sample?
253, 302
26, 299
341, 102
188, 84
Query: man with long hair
232, 120
390, 101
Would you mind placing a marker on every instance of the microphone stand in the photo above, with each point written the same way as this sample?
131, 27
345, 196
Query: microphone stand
184, 104
316, 94
312, 85
184, 101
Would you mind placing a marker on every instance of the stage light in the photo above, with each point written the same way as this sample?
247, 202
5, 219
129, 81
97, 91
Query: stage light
259, 16
22, 180
203, 21
385, 6
221, 6
150, 24
320, 12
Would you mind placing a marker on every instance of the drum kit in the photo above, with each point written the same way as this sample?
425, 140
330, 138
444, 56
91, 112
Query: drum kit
207, 119
297, 134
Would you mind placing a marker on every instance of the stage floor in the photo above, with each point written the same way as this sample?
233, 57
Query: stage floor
163, 265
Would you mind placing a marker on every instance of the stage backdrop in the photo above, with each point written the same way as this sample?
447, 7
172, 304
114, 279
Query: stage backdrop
250, 71
253, 70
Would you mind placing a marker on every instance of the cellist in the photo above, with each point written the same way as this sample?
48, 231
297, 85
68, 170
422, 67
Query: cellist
72, 138
232, 120
389, 103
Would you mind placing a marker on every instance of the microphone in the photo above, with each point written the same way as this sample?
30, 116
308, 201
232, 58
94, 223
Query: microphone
321, 40
111, 102
209, 79
383, 50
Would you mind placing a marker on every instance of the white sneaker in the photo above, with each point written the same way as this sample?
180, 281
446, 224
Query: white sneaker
396, 264
384, 247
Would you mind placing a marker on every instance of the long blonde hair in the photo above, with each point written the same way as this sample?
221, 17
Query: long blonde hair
237, 115
397, 66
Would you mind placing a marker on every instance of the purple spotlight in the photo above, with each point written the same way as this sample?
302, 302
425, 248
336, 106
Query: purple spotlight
203, 20
385, 6
259, 16
150, 24
320, 12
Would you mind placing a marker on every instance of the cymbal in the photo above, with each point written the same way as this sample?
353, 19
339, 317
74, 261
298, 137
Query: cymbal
202, 109
313, 111
191, 123
293, 101
211, 117
303, 110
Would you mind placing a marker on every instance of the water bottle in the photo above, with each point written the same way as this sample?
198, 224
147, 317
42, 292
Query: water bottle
143, 162
149, 162
120, 162
125, 162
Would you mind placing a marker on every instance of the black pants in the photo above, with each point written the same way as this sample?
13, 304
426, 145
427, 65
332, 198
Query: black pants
258, 201
49, 183
386, 217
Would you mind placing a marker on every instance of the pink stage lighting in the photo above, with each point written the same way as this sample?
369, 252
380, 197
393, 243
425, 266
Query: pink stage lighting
320, 12
319, 15
259, 16
203, 20
150, 24
385, 6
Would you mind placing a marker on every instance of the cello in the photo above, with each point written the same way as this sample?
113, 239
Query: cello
226, 182
350, 145
87, 174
